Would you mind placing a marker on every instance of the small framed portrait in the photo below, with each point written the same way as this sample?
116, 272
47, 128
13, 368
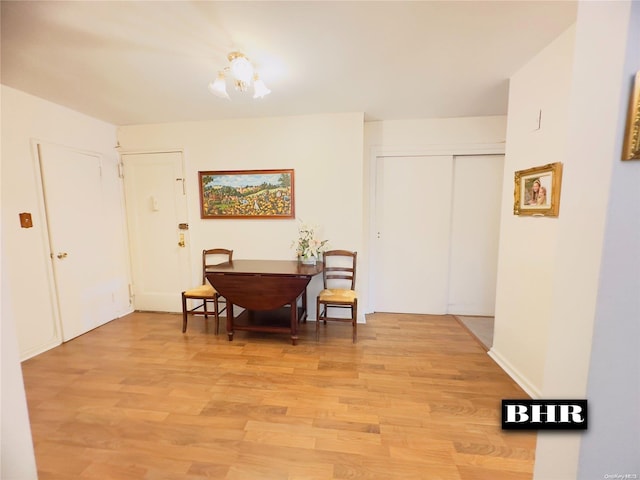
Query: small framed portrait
631, 146
537, 191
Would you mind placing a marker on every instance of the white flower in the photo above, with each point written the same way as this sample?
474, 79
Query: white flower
308, 245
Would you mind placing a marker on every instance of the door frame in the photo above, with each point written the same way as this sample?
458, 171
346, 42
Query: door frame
466, 149
182, 153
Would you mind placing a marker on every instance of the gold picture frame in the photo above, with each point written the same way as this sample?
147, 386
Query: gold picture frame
250, 194
537, 191
631, 145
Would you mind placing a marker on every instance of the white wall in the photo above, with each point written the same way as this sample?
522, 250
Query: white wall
600, 198
17, 460
612, 443
325, 152
527, 255
432, 132
27, 118
29, 323
555, 273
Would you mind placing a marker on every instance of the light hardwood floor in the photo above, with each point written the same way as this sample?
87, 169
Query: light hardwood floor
416, 398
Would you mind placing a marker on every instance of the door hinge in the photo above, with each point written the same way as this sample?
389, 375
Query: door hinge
121, 169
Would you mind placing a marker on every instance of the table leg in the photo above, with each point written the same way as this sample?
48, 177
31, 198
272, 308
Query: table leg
304, 305
230, 320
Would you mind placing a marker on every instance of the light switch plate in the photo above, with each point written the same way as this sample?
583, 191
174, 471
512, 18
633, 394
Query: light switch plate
25, 220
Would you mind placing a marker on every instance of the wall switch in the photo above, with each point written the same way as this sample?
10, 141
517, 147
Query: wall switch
25, 220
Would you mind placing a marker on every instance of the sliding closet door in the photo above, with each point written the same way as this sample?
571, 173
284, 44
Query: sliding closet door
437, 222
475, 229
413, 215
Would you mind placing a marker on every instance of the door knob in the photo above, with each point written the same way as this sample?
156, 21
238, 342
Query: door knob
181, 241
62, 255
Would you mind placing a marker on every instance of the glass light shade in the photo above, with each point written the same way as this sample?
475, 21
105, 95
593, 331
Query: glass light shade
259, 88
242, 69
219, 87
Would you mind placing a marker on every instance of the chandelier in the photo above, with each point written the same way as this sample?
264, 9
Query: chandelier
243, 75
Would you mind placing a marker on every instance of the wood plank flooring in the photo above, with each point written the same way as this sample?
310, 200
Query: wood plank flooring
416, 398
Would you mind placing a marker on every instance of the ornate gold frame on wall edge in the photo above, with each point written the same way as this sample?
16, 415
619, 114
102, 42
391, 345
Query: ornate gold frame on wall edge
631, 145
548, 176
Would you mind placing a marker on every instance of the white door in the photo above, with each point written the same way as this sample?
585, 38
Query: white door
475, 231
156, 205
86, 238
413, 217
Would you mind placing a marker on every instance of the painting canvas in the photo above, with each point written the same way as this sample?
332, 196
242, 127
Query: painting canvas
265, 194
537, 190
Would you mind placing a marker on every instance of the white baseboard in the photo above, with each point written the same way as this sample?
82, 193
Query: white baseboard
126, 312
37, 350
517, 377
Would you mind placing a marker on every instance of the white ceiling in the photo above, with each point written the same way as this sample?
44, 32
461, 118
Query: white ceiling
131, 62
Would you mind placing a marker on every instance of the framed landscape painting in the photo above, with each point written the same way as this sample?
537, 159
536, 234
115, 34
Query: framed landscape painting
537, 191
254, 194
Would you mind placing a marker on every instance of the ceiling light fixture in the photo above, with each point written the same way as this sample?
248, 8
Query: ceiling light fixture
242, 72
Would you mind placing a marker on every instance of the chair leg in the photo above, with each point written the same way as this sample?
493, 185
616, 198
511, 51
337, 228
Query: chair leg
354, 320
205, 311
216, 313
184, 313
318, 315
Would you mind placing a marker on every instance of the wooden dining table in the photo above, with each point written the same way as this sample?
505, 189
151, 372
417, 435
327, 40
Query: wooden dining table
268, 290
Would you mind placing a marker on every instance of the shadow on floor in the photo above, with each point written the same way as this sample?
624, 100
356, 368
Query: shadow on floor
480, 327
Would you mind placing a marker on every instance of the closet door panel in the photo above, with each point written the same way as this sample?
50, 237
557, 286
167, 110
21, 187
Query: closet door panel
413, 215
475, 229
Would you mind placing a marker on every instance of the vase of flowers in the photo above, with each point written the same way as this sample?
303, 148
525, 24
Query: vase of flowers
308, 247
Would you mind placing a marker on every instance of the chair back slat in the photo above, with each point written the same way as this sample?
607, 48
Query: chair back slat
214, 257
339, 266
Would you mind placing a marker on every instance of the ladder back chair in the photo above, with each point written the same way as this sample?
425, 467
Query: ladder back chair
339, 281
205, 295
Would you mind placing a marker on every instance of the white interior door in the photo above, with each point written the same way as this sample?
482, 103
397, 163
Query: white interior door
86, 238
156, 205
475, 231
413, 218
